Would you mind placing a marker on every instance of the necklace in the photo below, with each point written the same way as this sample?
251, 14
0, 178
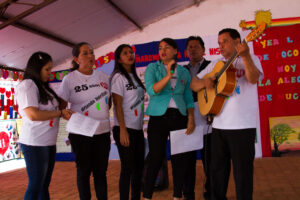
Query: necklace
83, 77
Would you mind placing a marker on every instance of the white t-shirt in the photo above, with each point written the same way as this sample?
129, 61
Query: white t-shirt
35, 133
88, 95
173, 82
240, 110
133, 101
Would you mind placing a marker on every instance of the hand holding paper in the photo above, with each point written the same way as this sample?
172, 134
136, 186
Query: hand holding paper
180, 142
82, 125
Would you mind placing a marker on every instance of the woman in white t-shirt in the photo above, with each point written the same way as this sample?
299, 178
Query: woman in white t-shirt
128, 97
87, 92
39, 108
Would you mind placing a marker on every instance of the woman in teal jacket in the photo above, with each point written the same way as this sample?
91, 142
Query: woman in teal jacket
171, 107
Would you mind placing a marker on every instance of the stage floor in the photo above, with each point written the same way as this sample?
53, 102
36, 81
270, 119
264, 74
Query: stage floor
274, 178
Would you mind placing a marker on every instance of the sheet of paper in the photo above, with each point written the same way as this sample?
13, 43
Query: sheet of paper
180, 142
82, 125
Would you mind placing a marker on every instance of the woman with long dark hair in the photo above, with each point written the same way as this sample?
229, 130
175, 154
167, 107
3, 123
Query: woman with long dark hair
128, 98
39, 108
171, 107
87, 92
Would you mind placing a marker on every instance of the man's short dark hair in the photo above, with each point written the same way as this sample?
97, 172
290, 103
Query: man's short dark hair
198, 38
234, 34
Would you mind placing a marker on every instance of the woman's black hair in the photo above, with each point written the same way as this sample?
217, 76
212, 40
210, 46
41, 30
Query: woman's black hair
120, 69
76, 52
33, 71
172, 43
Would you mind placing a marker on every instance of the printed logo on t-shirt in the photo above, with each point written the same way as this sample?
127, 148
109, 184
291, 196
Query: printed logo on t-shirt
136, 104
240, 73
51, 122
104, 85
93, 101
130, 87
136, 111
98, 106
81, 88
182, 81
237, 89
85, 87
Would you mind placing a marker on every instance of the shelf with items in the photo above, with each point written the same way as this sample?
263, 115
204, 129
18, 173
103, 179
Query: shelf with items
9, 116
8, 82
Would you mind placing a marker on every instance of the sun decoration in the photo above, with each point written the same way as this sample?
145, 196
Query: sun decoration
260, 16
263, 16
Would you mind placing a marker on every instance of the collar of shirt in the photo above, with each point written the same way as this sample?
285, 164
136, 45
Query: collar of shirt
197, 65
194, 70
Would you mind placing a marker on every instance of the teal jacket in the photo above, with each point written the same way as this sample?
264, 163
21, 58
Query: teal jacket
181, 94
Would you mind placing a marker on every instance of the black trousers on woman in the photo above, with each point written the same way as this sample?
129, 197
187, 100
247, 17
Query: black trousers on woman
132, 163
159, 128
91, 155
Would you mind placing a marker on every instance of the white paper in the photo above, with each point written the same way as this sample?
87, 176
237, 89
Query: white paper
82, 125
180, 142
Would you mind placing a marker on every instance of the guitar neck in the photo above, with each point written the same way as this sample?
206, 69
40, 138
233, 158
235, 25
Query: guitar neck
228, 63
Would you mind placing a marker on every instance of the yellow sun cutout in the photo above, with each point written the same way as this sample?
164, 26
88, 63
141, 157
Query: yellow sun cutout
263, 16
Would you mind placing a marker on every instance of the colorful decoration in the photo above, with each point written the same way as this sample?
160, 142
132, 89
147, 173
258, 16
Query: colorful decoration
15, 76
11, 75
263, 16
4, 74
266, 16
8, 104
278, 92
4, 142
57, 76
20, 77
9, 148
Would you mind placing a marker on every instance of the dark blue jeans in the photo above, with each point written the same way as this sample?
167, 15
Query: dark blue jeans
40, 162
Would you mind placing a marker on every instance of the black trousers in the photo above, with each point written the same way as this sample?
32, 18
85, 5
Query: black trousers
159, 128
190, 176
91, 155
238, 146
206, 158
132, 163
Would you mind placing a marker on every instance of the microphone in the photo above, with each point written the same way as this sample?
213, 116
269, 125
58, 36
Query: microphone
173, 68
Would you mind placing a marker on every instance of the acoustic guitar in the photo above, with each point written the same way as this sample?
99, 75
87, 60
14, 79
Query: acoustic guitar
211, 100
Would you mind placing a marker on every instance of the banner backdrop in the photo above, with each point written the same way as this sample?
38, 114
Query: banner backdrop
278, 50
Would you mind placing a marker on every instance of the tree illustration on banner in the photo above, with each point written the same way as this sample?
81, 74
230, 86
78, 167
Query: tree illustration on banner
279, 133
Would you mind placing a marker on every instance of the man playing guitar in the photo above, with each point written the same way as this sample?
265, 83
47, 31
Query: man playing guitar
234, 127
